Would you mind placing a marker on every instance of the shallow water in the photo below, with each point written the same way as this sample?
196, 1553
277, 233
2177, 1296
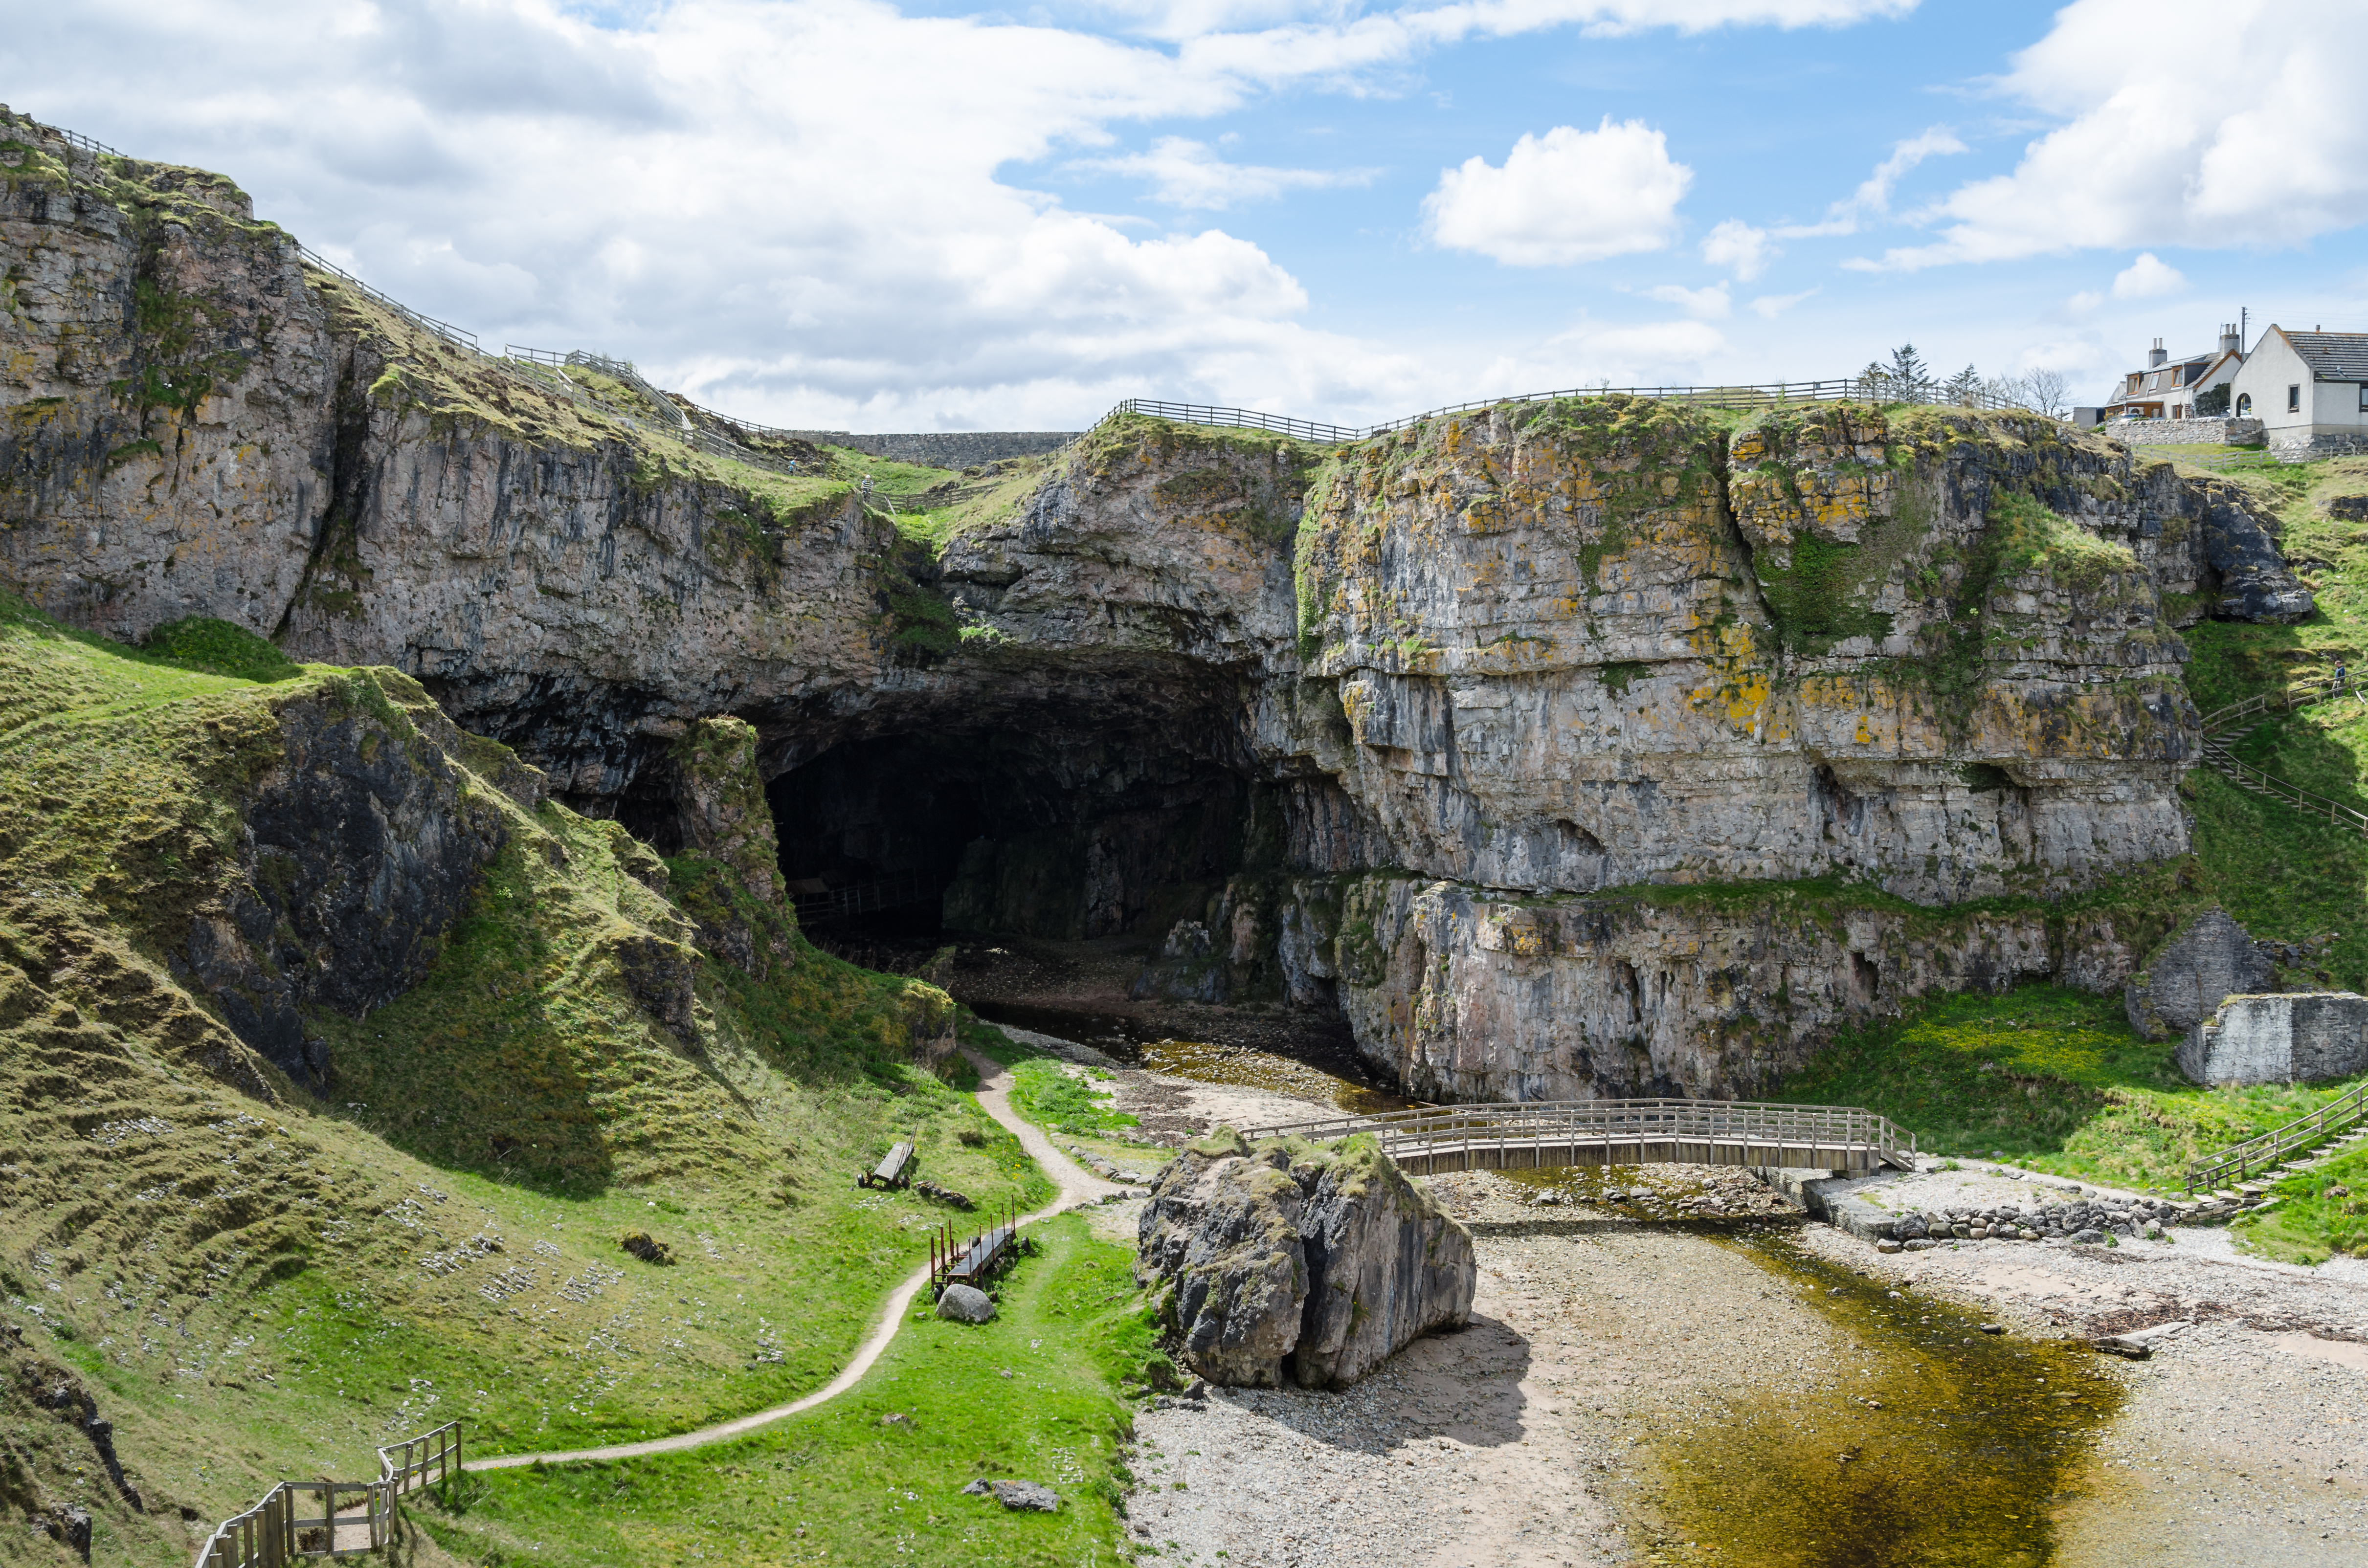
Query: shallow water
1933, 1444
1319, 1071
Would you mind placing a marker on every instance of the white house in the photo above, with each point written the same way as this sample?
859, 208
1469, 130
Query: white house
2308, 388
2167, 388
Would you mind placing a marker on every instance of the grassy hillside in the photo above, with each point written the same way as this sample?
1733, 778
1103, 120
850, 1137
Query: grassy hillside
877, 1477
252, 1282
2051, 1078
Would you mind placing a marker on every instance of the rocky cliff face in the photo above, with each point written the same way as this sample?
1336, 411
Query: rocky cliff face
1513, 659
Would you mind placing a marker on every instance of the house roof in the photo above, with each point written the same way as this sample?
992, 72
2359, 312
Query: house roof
2331, 355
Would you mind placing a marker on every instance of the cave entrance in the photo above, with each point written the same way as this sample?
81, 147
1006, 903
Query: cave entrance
1031, 831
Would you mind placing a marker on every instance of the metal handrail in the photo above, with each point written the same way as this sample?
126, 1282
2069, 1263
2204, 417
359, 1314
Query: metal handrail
2286, 699
459, 337
2265, 1149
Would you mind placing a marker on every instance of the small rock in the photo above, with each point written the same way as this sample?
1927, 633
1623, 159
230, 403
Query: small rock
896, 1418
1017, 1495
965, 1303
1993, 1329
1887, 1245
2091, 1236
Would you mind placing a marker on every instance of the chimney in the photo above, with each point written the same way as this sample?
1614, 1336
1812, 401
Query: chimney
2157, 354
2231, 341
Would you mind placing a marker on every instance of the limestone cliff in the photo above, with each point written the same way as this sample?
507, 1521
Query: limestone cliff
1344, 710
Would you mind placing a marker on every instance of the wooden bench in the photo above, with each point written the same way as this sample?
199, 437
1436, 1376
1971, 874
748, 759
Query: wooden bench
896, 1170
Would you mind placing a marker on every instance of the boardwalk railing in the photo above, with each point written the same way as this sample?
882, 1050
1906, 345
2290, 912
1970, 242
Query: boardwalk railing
1523, 1134
2254, 1154
335, 1518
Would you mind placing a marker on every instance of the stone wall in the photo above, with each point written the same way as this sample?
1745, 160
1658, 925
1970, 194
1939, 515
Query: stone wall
2184, 432
2298, 1038
959, 448
2310, 446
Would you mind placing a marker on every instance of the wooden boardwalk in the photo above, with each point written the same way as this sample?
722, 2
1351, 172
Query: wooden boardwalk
1537, 1135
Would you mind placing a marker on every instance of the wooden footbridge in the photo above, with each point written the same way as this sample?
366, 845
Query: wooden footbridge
1531, 1134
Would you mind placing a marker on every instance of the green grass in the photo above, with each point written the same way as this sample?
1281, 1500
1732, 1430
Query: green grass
255, 1283
837, 1485
1041, 1092
2319, 1214
2052, 1077
987, 501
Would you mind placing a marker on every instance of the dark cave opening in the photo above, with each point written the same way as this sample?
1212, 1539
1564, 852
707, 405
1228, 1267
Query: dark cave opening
1046, 832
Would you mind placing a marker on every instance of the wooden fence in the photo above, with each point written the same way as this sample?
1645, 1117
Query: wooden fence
335, 1518
1522, 1135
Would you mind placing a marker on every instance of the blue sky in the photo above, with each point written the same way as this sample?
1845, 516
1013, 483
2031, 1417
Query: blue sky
853, 214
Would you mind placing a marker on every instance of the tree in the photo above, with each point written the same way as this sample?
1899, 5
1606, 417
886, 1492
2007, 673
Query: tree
2044, 391
1911, 378
2212, 402
1874, 383
1966, 387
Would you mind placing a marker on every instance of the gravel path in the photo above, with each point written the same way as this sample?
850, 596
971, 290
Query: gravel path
1077, 1187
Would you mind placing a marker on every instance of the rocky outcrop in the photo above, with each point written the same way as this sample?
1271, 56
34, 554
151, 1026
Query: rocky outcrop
2207, 958
1318, 1262
360, 845
1474, 994
722, 817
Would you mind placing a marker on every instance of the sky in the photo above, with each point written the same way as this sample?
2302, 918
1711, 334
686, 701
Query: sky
856, 215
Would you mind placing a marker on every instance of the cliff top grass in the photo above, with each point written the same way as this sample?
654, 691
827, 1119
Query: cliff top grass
453, 386
258, 1284
2053, 1078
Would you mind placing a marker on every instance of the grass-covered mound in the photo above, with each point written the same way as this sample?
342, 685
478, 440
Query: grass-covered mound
2052, 1078
255, 1283
2317, 1214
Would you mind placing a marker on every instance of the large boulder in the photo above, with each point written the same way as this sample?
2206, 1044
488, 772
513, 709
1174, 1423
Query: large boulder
2184, 978
1289, 1258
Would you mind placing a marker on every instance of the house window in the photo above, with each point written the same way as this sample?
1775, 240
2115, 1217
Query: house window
2363, 397
2294, 399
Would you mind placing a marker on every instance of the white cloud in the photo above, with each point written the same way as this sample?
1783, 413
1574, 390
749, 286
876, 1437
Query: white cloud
1567, 196
1594, 354
2185, 122
1710, 303
2147, 279
1738, 246
1189, 174
720, 190
1872, 198
1769, 306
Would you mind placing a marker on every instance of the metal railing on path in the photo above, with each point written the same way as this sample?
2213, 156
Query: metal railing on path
865, 898
335, 1518
2241, 1161
1531, 1134
2218, 733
